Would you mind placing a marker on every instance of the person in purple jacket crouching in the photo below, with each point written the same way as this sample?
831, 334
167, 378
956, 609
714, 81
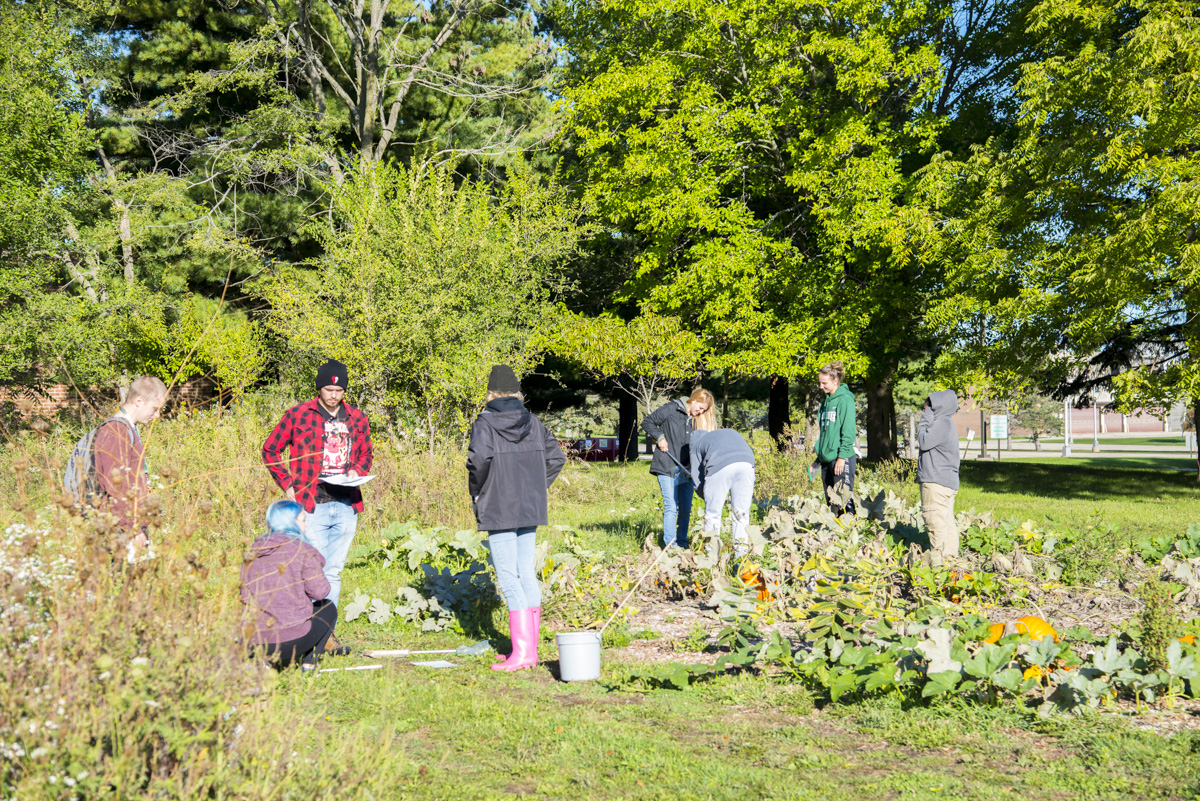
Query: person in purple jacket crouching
284, 586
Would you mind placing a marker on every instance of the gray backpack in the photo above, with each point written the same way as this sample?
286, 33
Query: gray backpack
79, 477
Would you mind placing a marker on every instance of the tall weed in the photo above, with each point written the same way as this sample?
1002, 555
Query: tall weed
126, 680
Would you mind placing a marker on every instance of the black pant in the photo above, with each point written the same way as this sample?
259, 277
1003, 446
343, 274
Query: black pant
846, 479
324, 620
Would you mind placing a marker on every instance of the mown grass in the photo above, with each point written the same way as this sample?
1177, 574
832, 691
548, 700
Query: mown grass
1075, 493
469, 733
1110, 441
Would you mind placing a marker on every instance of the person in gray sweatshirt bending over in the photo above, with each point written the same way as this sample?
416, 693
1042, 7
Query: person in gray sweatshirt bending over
723, 467
937, 470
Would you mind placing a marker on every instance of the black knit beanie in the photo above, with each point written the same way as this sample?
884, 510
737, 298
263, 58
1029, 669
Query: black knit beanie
332, 374
503, 380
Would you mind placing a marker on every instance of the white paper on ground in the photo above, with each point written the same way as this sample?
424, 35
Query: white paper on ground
346, 481
437, 663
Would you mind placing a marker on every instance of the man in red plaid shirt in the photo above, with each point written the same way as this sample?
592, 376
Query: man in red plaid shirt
326, 438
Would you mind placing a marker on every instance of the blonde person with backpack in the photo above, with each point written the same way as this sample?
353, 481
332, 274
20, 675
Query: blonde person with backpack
112, 475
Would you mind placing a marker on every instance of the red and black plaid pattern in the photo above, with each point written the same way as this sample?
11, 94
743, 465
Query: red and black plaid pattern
302, 431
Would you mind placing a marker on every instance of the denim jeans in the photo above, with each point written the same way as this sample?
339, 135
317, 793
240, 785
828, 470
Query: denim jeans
513, 557
677, 508
331, 529
735, 482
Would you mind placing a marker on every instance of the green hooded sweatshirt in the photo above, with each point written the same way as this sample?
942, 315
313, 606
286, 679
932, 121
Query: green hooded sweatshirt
836, 420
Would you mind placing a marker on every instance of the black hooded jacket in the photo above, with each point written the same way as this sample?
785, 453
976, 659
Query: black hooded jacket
671, 420
511, 462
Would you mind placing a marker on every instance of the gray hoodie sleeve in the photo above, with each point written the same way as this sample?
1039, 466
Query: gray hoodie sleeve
937, 441
697, 461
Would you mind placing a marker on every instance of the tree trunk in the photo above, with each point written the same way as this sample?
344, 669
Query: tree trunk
779, 411
725, 401
880, 407
627, 427
1196, 433
124, 227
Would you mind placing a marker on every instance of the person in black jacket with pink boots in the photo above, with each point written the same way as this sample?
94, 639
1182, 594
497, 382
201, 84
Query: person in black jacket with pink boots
511, 463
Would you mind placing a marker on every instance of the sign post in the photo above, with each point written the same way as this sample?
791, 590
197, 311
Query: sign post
1066, 451
983, 428
999, 430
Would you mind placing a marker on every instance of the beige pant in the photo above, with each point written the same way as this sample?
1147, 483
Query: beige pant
937, 507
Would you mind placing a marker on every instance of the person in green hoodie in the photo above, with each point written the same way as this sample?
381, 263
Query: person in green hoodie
835, 444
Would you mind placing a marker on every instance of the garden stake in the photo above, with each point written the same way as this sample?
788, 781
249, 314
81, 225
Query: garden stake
681, 467
358, 667
637, 584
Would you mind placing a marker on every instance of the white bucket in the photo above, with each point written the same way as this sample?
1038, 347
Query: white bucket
578, 655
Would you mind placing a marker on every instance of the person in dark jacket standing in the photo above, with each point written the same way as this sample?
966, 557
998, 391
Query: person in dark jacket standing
835, 444
511, 463
284, 587
671, 426
937, 470
723, 467
326, 439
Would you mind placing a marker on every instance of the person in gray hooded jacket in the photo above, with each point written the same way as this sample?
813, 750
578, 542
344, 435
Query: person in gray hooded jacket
723, 467
937, 470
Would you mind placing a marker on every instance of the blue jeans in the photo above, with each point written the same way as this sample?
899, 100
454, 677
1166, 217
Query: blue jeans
677, 508
331, 529
513, 557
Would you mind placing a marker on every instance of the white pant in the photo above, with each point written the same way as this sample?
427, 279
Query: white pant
734, 481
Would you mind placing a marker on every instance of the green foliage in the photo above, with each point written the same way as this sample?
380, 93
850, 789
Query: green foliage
752, 184
461, 600
695, 640
1158, 621
1154, 548
1076, 237
435, 546
455, 591
425, 285
43, 138
646, 357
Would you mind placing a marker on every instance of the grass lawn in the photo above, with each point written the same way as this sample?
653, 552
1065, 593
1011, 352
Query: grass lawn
1124, 443
471, 733
1128, 493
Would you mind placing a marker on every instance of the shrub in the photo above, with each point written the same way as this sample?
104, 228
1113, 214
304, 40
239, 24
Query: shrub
126, 680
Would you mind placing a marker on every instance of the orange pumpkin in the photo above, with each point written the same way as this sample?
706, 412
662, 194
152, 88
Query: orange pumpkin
1188, 639
751, 577
1036, 628
995, 632
951, 589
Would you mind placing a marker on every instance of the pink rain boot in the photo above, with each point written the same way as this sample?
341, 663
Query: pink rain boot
537, 630
524, 639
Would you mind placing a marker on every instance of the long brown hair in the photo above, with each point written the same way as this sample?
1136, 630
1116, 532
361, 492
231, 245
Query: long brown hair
706, 420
